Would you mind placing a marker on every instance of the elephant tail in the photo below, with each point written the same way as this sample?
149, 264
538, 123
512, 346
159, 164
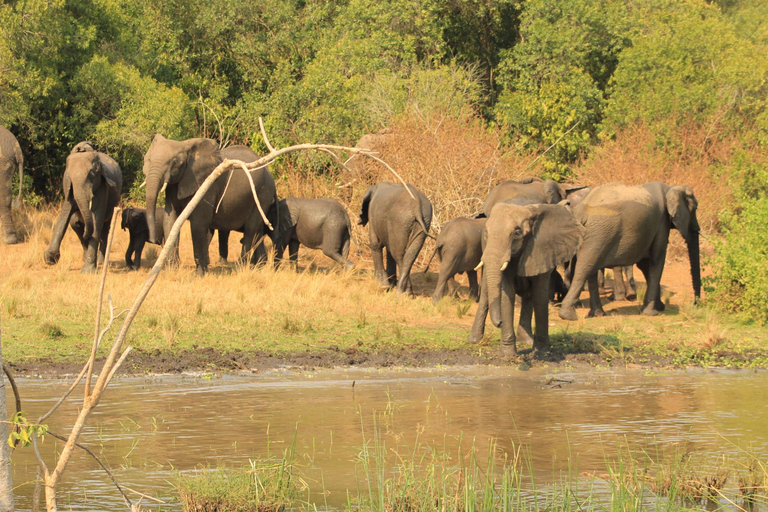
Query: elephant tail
20, 162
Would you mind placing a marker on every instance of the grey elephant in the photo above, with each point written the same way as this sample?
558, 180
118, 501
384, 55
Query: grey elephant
92, 184
522, 246
621, 290
178, 168
315, 223
529, 190
459, 249
11, 160
631, 225
135, 221
400, 223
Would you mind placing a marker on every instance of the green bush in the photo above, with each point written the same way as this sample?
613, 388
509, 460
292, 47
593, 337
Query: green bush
740, 265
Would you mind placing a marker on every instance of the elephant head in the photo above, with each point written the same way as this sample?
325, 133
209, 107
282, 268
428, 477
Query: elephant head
180, 166
86, 181
289, 216
525, 241
682, 205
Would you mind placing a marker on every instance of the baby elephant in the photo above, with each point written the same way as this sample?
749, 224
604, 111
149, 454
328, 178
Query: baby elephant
135, 221
459, 248
317, 224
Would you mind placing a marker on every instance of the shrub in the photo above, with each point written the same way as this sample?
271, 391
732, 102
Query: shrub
740, 265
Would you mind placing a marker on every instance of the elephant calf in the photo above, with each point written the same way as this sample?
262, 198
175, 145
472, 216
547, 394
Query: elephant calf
459, 248
317, 224
135, 221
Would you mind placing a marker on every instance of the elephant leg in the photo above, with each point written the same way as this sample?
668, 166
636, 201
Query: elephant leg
619, 290
644, 267
52, 254
200, 247
6, 177
580, 272
478, 326
540, 304
138, 250
629, 270
77, 225
129, 252
104, 237
223, 246
411, 253
525, 326
446, 273
595, 305
473, 289
654, 305
92, 244
601, 281
333, 246
377, 253
508, 341
391, 278
293, 251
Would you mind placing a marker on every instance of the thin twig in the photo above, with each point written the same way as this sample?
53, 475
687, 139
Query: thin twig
550, 147
89, 452
15, 388
97, 329
118, 364
255, 195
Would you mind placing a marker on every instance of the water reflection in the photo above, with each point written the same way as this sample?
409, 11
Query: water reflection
147, 429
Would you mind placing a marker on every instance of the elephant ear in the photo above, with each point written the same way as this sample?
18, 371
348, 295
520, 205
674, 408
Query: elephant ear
124, 218
555, 237
553, 192
110, 171
202, 158
286, 222
681, 206
364, 206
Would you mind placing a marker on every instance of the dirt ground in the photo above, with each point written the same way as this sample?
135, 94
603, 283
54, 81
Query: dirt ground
676, 285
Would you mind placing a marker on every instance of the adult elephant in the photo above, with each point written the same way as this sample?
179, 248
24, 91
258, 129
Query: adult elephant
530, 190
400, 223
522, 246
179, 168
631, 225
92, 184
11, 160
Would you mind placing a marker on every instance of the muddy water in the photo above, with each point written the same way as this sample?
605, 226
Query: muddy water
147, 429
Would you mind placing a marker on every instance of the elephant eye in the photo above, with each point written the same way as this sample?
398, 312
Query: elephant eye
517, 233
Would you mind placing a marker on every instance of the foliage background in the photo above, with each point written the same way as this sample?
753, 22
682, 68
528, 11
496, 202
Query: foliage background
588, 90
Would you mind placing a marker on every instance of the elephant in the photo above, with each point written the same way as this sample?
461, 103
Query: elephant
180, 167
522, 245
630, 225
92, 184
557, 288
11, 160
459, 248
400, 223
529, 190
315, 223
135, 221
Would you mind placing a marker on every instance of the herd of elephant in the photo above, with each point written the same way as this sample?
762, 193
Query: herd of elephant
526, 230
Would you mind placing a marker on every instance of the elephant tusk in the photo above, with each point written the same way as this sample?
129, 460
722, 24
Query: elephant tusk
504, 266
90, 205
479, 266
164, 187
143, 184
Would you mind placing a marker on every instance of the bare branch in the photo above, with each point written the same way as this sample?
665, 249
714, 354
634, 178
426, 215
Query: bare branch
118, 364
15, 388
264, 134
253, 190
109, 473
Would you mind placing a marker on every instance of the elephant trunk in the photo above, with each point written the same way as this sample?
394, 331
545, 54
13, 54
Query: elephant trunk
154, 182
493, 281
494, 264
693, 255
84, 198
